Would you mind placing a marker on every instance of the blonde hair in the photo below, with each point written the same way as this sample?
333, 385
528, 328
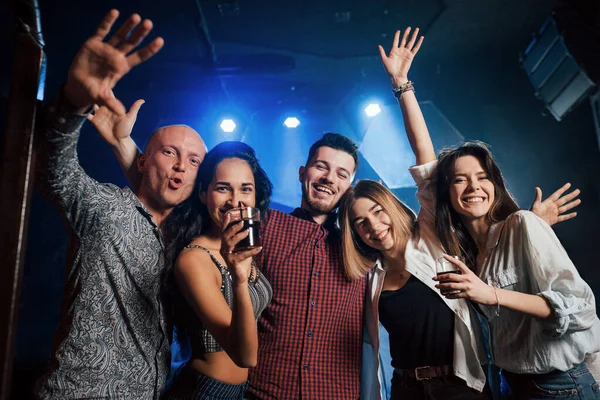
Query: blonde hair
358, 257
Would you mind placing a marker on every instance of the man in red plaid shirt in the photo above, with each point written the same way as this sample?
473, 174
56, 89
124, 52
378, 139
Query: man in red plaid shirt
310, 336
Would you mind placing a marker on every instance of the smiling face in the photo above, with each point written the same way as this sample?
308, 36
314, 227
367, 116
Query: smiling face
169, 166
372, 224
232, 184
325, 178
471, 190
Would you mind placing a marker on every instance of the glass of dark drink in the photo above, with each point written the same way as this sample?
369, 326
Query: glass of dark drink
251, 218
444, 267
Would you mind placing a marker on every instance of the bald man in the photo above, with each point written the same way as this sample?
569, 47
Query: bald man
113, 339
168, 168
116, 131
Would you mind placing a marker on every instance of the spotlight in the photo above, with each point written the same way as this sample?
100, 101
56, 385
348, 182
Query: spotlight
227, 125
372, 109
291, 122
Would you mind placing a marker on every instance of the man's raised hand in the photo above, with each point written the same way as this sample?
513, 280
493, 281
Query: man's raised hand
114, 128
99, 64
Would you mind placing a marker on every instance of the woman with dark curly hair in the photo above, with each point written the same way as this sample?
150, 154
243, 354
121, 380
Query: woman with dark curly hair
217, 293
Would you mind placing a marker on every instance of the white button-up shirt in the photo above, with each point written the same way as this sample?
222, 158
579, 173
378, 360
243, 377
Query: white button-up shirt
526, 256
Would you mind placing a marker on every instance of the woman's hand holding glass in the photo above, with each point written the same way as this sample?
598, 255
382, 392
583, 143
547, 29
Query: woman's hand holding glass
465, 285
238, 263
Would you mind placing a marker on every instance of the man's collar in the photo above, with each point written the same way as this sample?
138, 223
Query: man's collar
330, 223
140, 206
302, 214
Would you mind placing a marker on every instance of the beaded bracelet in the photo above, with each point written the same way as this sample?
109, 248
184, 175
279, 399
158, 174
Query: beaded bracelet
405, 87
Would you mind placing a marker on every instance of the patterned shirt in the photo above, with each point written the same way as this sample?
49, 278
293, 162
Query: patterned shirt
310, 335
113, 339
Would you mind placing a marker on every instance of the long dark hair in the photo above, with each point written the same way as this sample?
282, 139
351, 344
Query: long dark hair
190, 218
454, 236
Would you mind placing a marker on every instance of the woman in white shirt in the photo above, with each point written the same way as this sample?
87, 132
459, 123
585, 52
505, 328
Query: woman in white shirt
541, 313
434, 341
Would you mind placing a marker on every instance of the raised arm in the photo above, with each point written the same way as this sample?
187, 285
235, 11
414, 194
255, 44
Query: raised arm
196, 275
94, 72
397, 64
116, 131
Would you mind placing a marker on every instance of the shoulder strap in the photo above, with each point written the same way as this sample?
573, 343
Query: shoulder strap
221, 267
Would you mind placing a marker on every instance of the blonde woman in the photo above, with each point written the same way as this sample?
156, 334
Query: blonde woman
433, 341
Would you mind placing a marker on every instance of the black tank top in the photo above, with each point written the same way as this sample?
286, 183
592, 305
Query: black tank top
420, 326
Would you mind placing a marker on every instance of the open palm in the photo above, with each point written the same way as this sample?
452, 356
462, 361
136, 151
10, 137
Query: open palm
398, 61
114, 127
99, 65
554, 208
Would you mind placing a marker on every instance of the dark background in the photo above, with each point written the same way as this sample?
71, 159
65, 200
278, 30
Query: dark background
261, 61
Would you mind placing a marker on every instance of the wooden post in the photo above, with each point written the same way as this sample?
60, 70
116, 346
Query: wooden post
16, 169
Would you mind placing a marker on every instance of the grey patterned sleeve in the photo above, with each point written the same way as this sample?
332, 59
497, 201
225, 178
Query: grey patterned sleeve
60, 178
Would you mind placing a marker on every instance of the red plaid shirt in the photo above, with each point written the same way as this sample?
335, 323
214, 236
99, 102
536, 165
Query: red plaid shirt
310, 336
